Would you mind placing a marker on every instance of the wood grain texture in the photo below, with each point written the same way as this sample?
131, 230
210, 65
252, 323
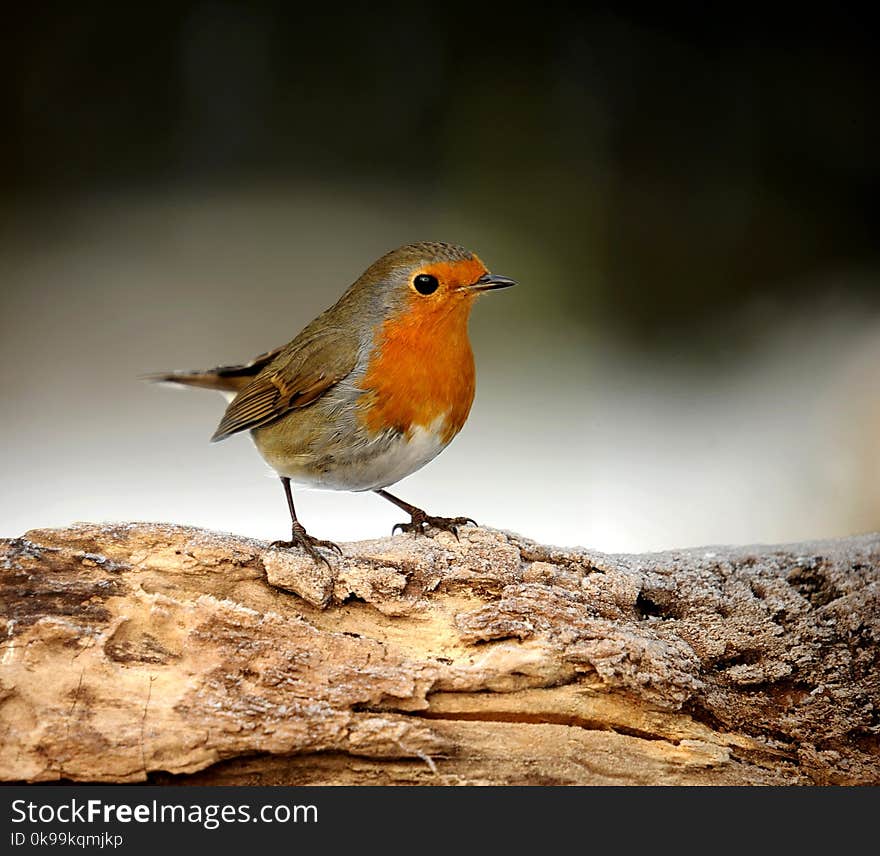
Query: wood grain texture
150, 652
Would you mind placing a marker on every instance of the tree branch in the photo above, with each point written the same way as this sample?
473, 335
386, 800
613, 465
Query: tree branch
431, 661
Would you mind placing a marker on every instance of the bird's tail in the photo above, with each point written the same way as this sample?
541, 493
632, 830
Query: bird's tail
221, 378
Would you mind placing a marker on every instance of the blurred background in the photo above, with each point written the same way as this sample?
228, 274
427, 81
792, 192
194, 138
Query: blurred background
692, 355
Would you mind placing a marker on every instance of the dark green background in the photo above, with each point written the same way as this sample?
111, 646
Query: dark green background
686, 197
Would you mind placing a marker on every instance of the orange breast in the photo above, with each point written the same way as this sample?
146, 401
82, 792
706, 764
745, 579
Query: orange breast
422, 367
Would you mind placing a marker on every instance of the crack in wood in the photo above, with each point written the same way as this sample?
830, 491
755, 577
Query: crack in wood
547, 718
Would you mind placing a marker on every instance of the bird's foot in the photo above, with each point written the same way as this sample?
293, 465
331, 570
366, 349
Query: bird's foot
421, 523
300, 538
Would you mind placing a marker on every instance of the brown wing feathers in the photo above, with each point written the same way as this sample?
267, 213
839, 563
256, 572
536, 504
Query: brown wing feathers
278, 381
301, 373
260, 402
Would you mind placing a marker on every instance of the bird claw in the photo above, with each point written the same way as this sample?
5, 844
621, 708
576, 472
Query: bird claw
300, 538
421, 522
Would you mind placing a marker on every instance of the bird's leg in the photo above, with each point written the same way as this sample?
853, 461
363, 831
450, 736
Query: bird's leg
419, 521
298, 535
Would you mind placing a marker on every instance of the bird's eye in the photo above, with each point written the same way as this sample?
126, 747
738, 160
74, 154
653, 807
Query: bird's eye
425, 283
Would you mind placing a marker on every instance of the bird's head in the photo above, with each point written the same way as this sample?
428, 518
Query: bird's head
426, 283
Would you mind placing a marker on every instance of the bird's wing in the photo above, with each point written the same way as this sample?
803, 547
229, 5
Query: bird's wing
301, 373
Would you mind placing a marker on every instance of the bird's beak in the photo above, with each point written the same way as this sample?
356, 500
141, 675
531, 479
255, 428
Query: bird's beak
489, 281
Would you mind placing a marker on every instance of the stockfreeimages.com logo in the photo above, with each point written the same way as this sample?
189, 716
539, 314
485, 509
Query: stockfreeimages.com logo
208, 816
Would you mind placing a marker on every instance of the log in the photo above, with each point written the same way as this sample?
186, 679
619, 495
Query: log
142, 652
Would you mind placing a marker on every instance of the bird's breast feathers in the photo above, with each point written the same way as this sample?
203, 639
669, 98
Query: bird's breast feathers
420, 373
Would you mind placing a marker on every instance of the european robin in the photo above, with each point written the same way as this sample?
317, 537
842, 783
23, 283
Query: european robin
371, 390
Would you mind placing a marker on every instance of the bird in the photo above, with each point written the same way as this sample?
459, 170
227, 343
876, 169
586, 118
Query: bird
370, 391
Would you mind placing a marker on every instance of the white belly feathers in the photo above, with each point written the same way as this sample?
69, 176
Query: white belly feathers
376, 465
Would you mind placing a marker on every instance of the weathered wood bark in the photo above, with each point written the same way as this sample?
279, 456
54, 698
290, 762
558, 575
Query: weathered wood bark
133, 652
